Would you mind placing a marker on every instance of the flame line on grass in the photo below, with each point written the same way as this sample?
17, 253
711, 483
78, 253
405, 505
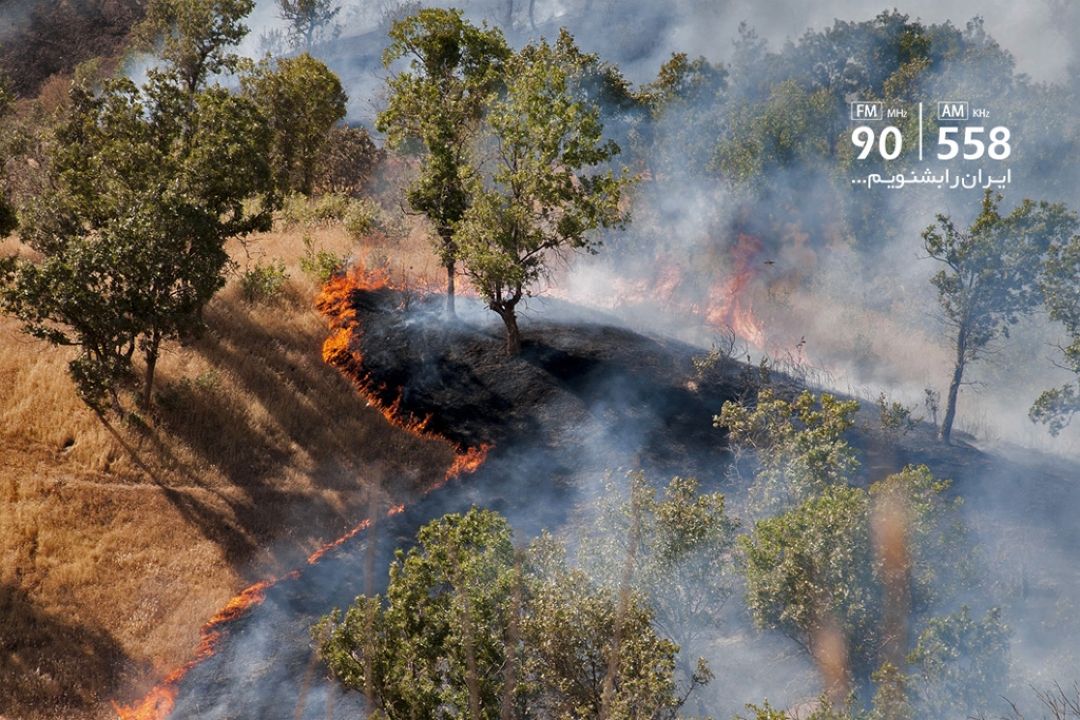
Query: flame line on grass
335, 304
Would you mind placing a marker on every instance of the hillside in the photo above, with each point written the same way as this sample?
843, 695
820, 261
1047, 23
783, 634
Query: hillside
41, 39
588, 396
116, 549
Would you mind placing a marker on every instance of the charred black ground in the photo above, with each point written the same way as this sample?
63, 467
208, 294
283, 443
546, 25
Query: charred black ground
584, 397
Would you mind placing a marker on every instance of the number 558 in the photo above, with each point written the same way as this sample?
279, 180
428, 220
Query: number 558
974, 147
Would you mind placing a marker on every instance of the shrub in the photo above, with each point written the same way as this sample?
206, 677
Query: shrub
361, 218
319, 265
895, 418
264, 283
331, 207
295, 209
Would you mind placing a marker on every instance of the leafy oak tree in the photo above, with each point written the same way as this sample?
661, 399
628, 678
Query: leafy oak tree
436, 105
302, 100
544, 197
195, 37
144, 187
1061, 288
816, 567
960, 664
797, 446
991, 276
472, 627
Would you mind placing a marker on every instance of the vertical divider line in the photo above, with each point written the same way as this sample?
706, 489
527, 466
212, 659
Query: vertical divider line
920, 133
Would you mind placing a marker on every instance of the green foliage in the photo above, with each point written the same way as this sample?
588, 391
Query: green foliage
144, 186
894, 417
320, 265
960, 664
822, 710
798, 445
816, 567
891, 698
682, 543
794, 127
195, 37
299, 209
361, 218
1060, 283
685, 118
540, 200
301, 100
264, 283
469, 624
991, 275
435, 105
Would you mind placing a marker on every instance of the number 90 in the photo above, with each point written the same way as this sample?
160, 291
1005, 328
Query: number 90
863, 138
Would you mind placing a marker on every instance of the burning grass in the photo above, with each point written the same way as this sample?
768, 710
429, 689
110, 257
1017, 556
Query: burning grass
259, 453
335, 303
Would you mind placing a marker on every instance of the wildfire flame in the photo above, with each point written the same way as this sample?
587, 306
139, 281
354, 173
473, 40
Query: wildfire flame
729, 304
339, 350
725, 303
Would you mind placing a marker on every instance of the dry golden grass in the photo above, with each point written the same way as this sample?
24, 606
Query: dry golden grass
114, 549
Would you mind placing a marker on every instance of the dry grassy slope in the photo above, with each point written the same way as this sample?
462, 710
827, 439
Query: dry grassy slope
258, 453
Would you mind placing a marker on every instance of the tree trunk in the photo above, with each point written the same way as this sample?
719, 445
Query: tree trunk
451, 269
945, 434
151, 365
513, 335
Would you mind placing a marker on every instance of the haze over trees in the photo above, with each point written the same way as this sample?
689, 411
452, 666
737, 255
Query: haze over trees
991, 276
864, 580
309, 21
472, 626
1060, 284
437, 102
541, 200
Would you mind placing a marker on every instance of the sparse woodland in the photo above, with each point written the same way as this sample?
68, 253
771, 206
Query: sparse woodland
167, 231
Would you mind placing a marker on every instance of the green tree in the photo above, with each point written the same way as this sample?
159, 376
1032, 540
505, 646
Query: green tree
794, 127
347, 161
544, 197
797, 446
1061, 288
301, 100
681, 542
960, 664
470, 627
195, 37
437, 104
816, 568
145, 185
990, 278
309, 21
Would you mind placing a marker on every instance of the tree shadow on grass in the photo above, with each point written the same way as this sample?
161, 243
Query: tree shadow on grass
50, 667
268, 413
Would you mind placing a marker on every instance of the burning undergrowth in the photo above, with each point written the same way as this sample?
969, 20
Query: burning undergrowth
537, 432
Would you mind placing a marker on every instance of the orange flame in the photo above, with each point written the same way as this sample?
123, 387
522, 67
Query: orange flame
729, 303
159, 702
726, 304
335, 303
